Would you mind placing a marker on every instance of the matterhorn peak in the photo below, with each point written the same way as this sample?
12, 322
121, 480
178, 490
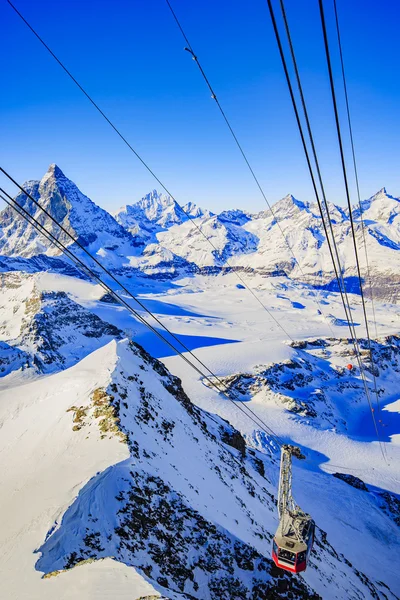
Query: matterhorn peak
53, 172
54, 177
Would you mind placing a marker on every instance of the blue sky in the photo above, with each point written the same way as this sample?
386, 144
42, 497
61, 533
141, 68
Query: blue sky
129, 56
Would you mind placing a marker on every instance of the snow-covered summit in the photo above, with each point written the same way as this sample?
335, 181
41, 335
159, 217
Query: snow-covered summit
105, 455
91, 225
286, 208
235, 216
156, 212
381, 207
211, 244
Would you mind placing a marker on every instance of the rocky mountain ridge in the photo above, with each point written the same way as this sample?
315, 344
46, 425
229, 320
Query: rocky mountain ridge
155, 238
196, 528
48, 330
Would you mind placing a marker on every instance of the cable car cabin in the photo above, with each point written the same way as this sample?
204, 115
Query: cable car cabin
294, 537
288, 552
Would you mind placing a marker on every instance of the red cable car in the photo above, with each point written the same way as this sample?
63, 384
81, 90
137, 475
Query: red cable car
294, 538
291, 552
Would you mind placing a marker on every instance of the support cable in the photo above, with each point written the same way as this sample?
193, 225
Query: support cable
343, 162
347, 307
354, 163
117, 131
346, 183
315, 156
189, 49
374, 369
339, 271
75, 241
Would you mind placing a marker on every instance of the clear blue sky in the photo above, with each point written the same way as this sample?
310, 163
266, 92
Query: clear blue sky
129, 55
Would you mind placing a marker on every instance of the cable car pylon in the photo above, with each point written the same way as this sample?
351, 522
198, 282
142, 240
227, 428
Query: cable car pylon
294, 538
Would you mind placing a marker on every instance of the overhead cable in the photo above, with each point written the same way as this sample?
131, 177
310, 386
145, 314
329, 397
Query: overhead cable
346, 184
355, 164
211, 378
182, 210
346, 304
315, 156
189, 49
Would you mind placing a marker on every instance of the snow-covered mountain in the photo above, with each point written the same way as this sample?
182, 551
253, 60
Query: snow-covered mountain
165, 488
155, 237
120, 480
154, 213
292, 240
93, 227
45, 331
212, 245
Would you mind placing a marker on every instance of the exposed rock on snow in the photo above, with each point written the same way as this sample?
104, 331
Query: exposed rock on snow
92, 226
48, 331
117, 479
390, 504
316, 384
154, 213
387, 501
39, 263
352, 480
195, 526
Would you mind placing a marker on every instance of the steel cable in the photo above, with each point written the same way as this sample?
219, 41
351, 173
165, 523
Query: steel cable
25, 214
346, 303
240, 147
192, 219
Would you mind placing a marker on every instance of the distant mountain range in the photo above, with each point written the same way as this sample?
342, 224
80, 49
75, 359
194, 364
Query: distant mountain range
155, 237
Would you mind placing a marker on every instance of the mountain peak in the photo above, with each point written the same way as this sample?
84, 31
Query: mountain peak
290, 203
289, 197
54, 175
80, 218
381, 195
55, 171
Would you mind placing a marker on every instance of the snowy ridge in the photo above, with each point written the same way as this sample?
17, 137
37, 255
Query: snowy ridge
154, 213
48, 331
215, 512
316, 386
92, 226
227, 240
155, 238
39, 263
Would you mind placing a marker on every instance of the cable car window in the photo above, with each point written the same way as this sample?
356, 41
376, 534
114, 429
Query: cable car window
301, 557
275, 547
286, 555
